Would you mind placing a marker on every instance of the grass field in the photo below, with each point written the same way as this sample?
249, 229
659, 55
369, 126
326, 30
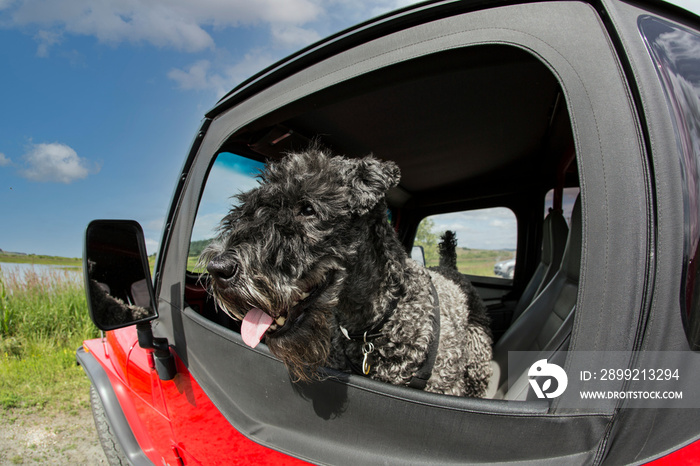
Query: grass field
39, 259
473, 261
43, 320
469, 261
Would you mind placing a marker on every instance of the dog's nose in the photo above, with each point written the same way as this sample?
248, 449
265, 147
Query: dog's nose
223, 267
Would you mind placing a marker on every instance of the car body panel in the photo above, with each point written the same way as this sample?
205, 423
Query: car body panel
688, 454
127, 414
352, 416
194, 429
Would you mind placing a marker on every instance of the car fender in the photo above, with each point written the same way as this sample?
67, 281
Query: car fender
113, 409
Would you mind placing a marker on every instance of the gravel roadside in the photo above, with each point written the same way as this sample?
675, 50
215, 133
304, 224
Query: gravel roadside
49, 437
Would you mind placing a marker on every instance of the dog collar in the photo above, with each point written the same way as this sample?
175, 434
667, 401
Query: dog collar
368, 346
420, 379
374, 332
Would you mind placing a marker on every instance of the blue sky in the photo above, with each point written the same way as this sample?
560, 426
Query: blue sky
101, 99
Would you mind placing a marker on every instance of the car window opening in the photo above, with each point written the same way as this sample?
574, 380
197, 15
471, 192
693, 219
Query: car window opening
528, 282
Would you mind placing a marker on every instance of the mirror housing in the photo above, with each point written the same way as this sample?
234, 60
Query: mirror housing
119, 289
117, 275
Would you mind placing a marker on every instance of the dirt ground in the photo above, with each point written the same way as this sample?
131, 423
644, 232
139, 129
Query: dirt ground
42, 437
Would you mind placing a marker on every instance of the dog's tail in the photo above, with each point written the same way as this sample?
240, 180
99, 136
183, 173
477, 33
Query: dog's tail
448, 250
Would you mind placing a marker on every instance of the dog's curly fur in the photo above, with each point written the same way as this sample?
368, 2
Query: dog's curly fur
317, 224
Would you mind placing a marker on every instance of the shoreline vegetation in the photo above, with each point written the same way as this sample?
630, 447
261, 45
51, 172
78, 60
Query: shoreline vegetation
43, 319
45, 413
35, 259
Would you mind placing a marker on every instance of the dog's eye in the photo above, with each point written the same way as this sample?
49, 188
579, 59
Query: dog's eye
307, 210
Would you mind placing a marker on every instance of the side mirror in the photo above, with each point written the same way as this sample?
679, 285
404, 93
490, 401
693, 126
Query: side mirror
418, 255
117, 275
119, 288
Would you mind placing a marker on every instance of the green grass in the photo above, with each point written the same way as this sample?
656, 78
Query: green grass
39, 259
469, 261
192, 262
43, 320
473, 261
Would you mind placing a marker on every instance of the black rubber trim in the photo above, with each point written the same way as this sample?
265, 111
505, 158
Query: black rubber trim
113, 411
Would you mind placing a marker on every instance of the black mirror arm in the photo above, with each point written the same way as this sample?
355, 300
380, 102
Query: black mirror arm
164, 360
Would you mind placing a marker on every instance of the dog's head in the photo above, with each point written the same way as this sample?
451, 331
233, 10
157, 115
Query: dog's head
284, 255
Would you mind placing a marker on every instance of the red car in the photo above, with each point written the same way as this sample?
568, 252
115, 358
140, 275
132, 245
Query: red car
486, 107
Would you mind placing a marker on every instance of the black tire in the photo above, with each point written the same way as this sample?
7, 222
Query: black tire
113, 451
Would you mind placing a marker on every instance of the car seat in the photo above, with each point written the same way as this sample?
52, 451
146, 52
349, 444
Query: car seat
544, 326
554, 237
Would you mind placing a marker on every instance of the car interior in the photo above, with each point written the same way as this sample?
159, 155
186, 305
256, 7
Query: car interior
470, 128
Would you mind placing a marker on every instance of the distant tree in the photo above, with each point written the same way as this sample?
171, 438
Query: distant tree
428, 239
196, 247
425, 236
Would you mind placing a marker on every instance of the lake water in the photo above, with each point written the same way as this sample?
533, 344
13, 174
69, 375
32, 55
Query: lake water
19, 271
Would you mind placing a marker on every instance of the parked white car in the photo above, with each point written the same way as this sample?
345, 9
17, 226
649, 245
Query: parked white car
505, 268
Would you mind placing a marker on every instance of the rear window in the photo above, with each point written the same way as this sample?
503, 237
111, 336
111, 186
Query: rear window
674, 51
486, 240
569, 196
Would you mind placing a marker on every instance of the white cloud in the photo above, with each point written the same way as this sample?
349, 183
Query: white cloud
186, 25
189, 26
202, 75
206, 226
292, 25
494, 228
291, 36
55, 162
354, 11
235, 12
690, 5
164, 23
155, 224
115, 22
196, 76
4, 160
152, 245
46, 40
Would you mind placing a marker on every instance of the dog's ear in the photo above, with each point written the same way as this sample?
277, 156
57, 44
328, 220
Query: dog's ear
370, 179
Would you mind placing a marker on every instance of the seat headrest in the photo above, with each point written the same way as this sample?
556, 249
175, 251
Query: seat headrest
554, 234
571, 262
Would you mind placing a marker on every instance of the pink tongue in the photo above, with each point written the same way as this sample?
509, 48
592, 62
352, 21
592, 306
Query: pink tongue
254, 325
